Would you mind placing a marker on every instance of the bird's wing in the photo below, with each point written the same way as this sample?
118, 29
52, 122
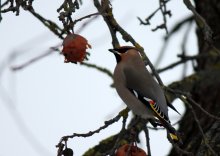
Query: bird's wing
171, 106
151, 104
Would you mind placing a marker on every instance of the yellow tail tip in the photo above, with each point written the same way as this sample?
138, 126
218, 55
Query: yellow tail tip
174, 137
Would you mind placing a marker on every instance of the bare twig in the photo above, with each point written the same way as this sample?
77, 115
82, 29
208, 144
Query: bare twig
15, 6
52, 26
27, 5
184, 99
191, 101
147, 140
68, 7
202, 24
49, 52
147, 20
181, 151
104, 8
60, 149
173, 30
85, 24
106, 124
164, 12
162, 26
84, 17
185, 59
207, 31
101, 69
183, 47
179, 25
4, 4
121, 133
33, 60
172, 65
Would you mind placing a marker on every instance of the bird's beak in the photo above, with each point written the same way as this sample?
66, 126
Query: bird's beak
114, 51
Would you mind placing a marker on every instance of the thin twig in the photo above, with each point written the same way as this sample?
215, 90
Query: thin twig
104, 8
52, 26
164, 12
161, 53
147, 140
106, 124
101, 69
4, 4
147, 20
178, 26
183, 47
184, 99
207, 31
172, 65
84, 17
181, 151
85, 24
173, 30
191, 101
202, 24
35, 59
49, 52
185, 59
121, 133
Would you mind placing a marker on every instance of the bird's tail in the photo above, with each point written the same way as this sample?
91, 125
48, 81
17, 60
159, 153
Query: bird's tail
173, 135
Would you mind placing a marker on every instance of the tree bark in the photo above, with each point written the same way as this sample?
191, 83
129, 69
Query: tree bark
205, 90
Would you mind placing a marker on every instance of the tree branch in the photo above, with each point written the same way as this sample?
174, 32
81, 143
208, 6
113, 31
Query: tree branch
184, 99
164, 12
33, 60
101, 69
52, 26
201, 22
185, 59
106, 124
147, 140
207, 31
114, 27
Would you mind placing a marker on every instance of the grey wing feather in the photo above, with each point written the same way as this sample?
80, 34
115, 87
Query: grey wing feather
145, 85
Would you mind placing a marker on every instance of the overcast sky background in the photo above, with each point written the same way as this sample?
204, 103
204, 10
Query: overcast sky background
48, 99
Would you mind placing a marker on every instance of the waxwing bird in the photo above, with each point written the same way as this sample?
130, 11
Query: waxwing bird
139, 90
